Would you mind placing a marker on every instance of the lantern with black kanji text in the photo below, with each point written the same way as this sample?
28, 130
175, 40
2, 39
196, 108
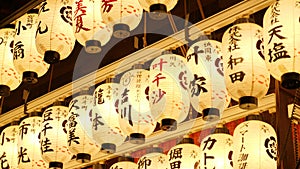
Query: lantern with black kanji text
185, 155
135, 117
55, 39
27, 60
124, 162
79, 128
88, 26
9, 147
168, 92
106, 126
246, 75
9, 77
158, 8
124, 15
217, 149
207, 89
281, 42
53, 137
154, 159
29, 151
255, 144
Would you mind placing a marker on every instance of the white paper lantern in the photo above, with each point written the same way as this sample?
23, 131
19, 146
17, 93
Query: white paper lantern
79, 134
133, 107
216, 151
54, 37
207, 87
9, 77
106, 126
246, 75
88, 26
154, 159
9, 147
124, 162
53, 138
27, 60
29, 155
281, 42
168, 94
255, 145
185, 155
158, 8
124, 15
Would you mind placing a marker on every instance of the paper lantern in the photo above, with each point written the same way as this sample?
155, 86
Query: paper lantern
9, 147
124, 15
29, 155
154, 159
246, 75
27, 60
217, 149
124, 162
281, 42
9, 77
185, 155
207, 89
53, 138
158, 8
168, 94
255, 145
88, 26
79, 133
135, 117
106, 127
54, 36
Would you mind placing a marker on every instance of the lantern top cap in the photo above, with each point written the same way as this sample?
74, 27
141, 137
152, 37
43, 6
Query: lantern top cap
254, 117
154, 150
244, 20
110, 78
125, 158
186, 140
138, 66
85, 90
220, 128
33, 114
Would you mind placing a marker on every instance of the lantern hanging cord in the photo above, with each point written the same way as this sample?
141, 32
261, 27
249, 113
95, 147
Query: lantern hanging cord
173, 25
145, 30
51, 76
201, 9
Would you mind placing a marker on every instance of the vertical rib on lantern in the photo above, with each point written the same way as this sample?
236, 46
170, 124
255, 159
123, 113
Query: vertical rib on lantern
27, 60
158, 8
55, 39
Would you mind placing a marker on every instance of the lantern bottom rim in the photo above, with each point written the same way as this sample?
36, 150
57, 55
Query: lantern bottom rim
51, 57
137, 138
168, 124
158, 11
83, 157
248, 102
211, 114
93, 46
30, 77
4, 90
56, 165
121, 31
108, 148
290, 80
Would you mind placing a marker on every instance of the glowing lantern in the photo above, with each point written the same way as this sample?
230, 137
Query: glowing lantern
217, 149
28, 144
281, 42
27, 60
246, 75
124, 15
169, 98
255, 145
54, 37
124, 162
158, 8
154, 159
80, 127
9, 77
184, 155
89, 29
207, 87
53, 138
9, 147
133, 107
106, 127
